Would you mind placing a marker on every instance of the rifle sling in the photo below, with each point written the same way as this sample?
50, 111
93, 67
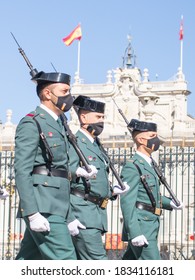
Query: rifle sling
45, 143
145, 184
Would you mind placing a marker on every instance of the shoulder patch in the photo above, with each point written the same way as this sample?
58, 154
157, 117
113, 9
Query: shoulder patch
30, 115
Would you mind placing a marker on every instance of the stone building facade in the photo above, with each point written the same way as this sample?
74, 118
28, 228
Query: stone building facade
130, 94
163, 102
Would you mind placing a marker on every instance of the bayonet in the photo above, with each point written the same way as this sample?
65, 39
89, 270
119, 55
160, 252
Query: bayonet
33, 71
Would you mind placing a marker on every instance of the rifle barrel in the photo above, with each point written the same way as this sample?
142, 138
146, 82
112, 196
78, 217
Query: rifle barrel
111, 165
34, 71
121, 112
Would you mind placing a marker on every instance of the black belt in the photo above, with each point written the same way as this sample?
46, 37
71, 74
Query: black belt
100, 201
43, 170
149, 208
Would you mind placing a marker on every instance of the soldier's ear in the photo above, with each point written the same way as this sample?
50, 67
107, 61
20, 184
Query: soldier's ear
47, 93
140, 139
83, 118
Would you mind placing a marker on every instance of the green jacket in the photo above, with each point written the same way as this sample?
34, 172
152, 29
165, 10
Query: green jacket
41, 193
132, 216
88, 213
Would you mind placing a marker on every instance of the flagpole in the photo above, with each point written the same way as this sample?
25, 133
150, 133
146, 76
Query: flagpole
181, 55
78, 62
181, 44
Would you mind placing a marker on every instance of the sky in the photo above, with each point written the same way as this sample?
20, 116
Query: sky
40, 26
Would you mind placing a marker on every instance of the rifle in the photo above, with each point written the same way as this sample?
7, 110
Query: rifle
53, 67
70, 135
72, 139
110, 164
164, 182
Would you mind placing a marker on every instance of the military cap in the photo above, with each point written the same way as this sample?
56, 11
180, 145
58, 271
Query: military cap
136, 125
44, 78
88, 104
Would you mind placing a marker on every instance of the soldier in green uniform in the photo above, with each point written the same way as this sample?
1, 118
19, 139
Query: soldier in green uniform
89, 197
141, 205
41, 172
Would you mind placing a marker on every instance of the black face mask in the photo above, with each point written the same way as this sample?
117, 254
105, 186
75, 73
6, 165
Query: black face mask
95, 128
64, 103
153, 143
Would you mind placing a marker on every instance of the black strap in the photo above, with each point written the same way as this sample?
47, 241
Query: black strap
145, 184
45, 143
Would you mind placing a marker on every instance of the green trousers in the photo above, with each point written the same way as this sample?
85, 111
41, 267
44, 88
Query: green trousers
151, 252
53, 245
89, 246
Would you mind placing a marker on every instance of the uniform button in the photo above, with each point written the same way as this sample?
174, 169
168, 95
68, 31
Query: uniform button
22, 210
46, 183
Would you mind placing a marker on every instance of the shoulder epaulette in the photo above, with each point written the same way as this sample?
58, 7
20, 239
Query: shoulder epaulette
130, 160
30, 115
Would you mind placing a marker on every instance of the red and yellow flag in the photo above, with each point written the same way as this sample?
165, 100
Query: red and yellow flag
181, 29
76, 34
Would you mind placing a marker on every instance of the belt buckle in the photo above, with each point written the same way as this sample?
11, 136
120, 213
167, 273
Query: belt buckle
104, 203
158, 211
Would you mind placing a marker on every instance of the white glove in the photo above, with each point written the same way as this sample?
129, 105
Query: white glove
39, 223
175, 206
74, 227
3, 194
139, 241
117, 189
81, 172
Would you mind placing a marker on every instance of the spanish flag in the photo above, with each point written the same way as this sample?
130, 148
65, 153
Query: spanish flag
76, 34
181, 29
